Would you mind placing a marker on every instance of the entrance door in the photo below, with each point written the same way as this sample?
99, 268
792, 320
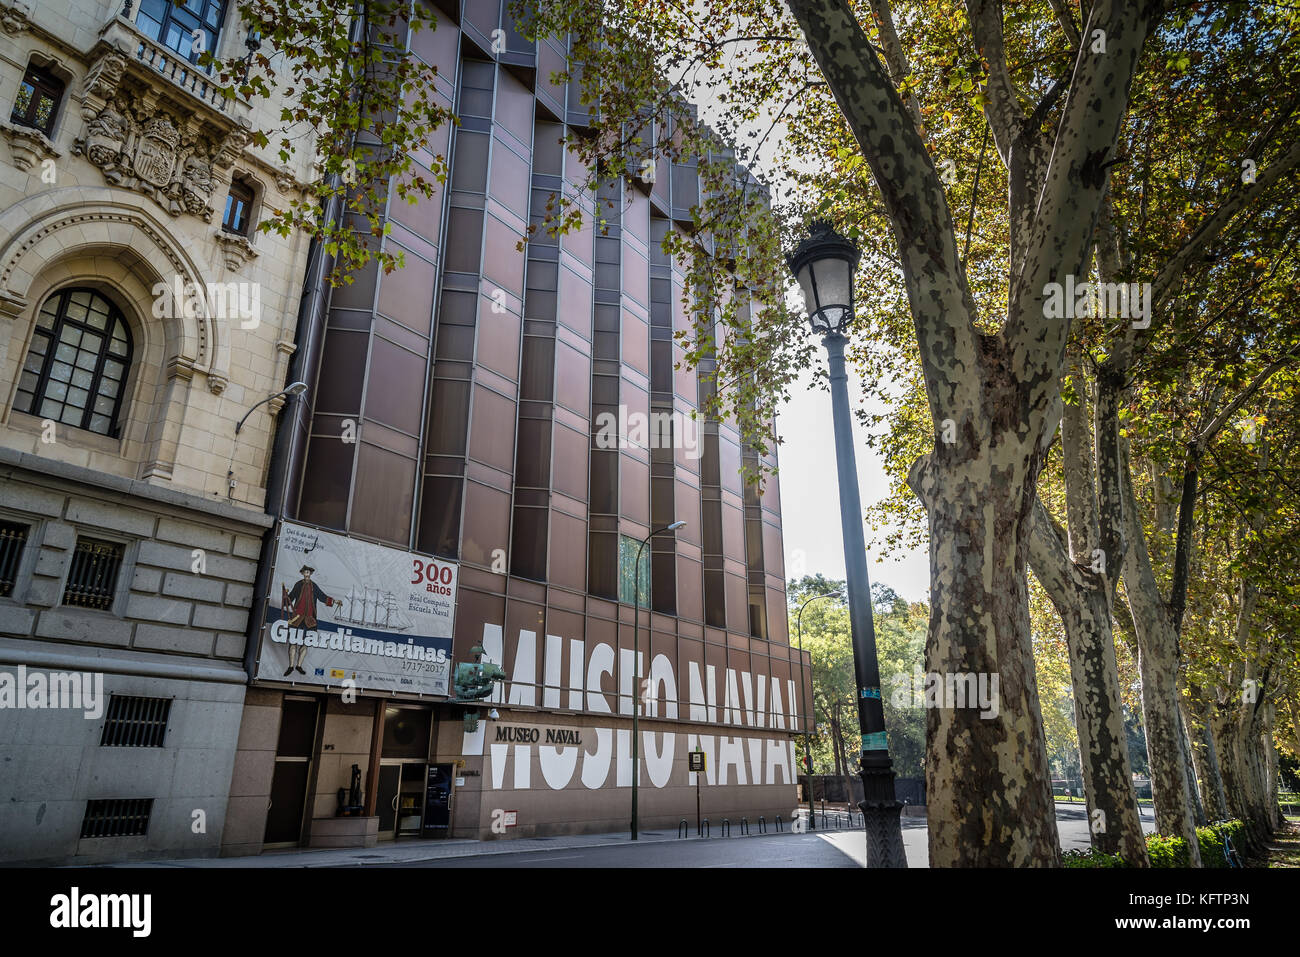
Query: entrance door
386, 800
437, 810
292, 771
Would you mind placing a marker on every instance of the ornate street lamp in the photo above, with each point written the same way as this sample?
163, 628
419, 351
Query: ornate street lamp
636, 650
807, 727
823, 265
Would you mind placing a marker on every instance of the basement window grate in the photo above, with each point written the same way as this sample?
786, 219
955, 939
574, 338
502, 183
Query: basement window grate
93, 579
117, 817
13, 537
135, 722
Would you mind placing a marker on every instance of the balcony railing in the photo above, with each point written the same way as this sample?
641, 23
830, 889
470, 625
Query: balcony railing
181, 72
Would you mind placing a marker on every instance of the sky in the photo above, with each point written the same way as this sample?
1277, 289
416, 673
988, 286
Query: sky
810, 505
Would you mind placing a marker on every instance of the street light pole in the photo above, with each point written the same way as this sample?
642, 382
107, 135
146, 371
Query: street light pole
880, 807
807, 753
823, 264
636, 651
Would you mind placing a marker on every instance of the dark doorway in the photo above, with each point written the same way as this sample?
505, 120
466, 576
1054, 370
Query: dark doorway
293, 754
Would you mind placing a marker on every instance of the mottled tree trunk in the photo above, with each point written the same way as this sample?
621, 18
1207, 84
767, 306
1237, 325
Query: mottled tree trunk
1099, 718
987, 777
1206, 756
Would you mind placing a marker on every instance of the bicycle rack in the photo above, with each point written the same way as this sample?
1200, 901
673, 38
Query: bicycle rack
726, 828
683, 829
705, 825
762, 825
744, 825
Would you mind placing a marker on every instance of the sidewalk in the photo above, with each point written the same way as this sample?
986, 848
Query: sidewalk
414, 851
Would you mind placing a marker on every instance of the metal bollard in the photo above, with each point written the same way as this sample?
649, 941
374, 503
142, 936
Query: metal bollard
726, 828
683, 829
778, 824
762, 824
705, 824
744, 825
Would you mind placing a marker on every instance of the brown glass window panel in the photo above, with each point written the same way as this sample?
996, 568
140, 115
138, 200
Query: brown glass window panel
533, 469
602, 564
575, 303
459, 308
515, 108
663, 571
570, 462
636, 276
360, 293
385, 490
528, 544
492, 433
548, 147
690, 595
448, 418
343, 372
424, 217
498, 340
604, 481
510, 179
635, 479
469, 168
436, 43
37, 102
464, 239
568, 552
604, 390
537, 372
477, 76
395, 388
406, 294
456, 343
503, 263
327, 479
239, 209
635, 344
715, 601
757, 616
440, 516
661, 366
572, 379
659, 229
487, 523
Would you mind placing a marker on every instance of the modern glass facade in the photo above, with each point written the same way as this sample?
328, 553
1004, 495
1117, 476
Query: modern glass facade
464, 409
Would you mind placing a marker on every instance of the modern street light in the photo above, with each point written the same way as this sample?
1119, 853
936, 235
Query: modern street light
807, 753
823, 265
636, 650
293, 390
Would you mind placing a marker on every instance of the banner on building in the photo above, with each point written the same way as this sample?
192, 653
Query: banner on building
341, 609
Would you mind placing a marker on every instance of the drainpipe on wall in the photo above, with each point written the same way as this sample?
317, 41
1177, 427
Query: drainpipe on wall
290, 445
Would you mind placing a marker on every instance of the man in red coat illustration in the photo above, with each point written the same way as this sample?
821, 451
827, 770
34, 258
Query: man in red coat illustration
300, 605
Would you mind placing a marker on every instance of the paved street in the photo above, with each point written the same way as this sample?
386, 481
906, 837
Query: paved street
842, 848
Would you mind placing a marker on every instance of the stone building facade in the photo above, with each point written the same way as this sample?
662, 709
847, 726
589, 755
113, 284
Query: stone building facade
131, 513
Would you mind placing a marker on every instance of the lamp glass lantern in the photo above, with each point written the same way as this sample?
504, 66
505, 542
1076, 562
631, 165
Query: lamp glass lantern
823, 264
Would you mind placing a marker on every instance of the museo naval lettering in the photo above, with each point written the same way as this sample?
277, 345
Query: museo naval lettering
754, 714
536, 734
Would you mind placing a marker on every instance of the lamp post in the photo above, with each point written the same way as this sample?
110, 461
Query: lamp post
807, 754
293, 390
823, 265
636, 649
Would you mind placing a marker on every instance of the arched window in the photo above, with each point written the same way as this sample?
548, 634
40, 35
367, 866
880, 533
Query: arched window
76, 369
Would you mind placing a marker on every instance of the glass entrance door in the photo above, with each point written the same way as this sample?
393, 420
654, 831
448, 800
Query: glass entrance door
400, 800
